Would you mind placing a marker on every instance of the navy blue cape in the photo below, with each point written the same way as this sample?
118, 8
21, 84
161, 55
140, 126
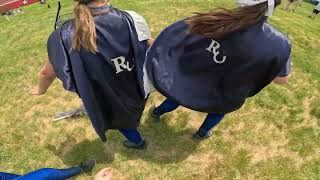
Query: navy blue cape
114, 99
183, 67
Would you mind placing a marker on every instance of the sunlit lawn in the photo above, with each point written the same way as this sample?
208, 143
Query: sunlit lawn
274, 136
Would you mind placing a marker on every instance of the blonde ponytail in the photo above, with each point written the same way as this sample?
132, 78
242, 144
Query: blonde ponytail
84, 29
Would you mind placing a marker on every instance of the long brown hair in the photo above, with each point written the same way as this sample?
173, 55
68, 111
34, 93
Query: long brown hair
84, 28
222, 22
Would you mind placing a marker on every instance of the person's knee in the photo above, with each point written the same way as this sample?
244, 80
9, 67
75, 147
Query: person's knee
47, 74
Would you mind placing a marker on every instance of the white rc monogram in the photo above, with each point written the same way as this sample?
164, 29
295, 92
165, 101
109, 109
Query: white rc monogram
213, 48
121, 64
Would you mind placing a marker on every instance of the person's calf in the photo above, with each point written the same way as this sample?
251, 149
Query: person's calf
47, 75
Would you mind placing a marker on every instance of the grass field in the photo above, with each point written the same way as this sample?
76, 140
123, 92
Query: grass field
276, 135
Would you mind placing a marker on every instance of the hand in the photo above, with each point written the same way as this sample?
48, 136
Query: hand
104, 174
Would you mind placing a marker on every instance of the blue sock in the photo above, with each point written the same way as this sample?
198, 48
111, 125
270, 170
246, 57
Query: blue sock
210, 122
132, 135
166, 106
51, 174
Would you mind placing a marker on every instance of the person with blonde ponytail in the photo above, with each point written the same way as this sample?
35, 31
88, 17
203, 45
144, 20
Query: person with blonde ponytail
100, 55
212, 62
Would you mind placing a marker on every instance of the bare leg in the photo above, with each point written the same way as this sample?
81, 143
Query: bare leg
313, 15
288, 6
296, 4
46, 77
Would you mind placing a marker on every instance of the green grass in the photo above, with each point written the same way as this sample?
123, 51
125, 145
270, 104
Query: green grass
274, 136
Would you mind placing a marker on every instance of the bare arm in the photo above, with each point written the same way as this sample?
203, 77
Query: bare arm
150, 41
283, 76
281, 80
46, 77
104, 174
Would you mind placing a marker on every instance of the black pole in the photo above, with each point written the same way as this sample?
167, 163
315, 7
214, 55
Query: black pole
57, 17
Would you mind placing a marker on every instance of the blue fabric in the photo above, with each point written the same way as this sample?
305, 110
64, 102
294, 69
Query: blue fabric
210, 122
44, 174
286, 70
166, 106
57, 57
132, 135
216, 75
8, 176
112, 94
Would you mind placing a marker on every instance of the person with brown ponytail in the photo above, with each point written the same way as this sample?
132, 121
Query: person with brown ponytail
212, 62
100, 55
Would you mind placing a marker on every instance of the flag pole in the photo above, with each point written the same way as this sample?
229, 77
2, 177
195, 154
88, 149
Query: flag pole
57, 16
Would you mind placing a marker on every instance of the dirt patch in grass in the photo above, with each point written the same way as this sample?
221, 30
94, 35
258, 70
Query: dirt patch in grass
157, 152
263, 153
204, 163
36, 108
204, 159
309, 115
195, 119
62, 102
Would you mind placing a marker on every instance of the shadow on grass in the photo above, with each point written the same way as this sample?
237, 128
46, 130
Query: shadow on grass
73, 153
165, 144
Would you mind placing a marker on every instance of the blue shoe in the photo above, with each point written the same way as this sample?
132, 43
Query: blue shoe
154, 115
133, 145
197, 136
88, 166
